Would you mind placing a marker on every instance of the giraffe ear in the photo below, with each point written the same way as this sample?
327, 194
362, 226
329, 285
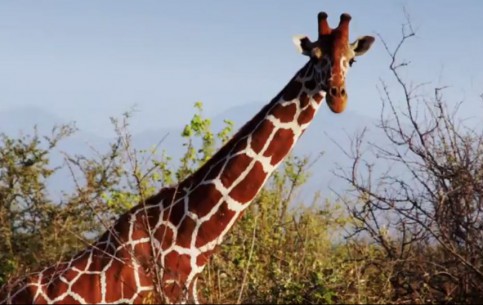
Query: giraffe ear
362, 44
303, 44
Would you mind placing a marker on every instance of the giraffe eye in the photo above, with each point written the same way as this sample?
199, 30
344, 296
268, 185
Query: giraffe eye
351, 61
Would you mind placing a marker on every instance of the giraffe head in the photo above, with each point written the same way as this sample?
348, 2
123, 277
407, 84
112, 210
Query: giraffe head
332, 55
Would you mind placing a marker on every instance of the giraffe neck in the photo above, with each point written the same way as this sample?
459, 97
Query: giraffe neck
210, 201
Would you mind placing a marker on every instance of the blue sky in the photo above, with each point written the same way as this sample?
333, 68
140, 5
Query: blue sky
89, 60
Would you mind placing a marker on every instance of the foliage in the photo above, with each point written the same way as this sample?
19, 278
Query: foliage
29, 221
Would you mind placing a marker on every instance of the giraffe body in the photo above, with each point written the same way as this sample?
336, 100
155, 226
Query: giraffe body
160, 246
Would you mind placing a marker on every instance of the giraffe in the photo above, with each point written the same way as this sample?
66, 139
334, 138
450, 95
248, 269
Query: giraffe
162, 244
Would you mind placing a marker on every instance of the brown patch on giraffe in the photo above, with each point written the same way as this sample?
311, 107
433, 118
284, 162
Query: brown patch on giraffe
24, 297
120, 274
140, 226
175, 213
204, 257
309, 70
250, 185
99, 258
239, 146
147, 272
317, 97
310, 84
88, 286
260, 135
165, 195
56, 287
203, 199
173, 292
81, 261
69, 274
306, 116
280, 145
153, 216
212, 228
304, 100
164, 235
31, 279
179, 266
125, 252
121, 228
214, 166
114, 277
52, 271
292, 90
214, 171
143, 251
185, 232
235, 167
284, 114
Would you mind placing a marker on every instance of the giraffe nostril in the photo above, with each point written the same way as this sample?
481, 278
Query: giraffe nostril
333, 91
342, 92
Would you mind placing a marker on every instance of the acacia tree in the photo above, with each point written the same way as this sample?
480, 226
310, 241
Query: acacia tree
425, 210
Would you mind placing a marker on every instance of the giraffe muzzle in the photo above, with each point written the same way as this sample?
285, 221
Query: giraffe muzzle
337, 98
